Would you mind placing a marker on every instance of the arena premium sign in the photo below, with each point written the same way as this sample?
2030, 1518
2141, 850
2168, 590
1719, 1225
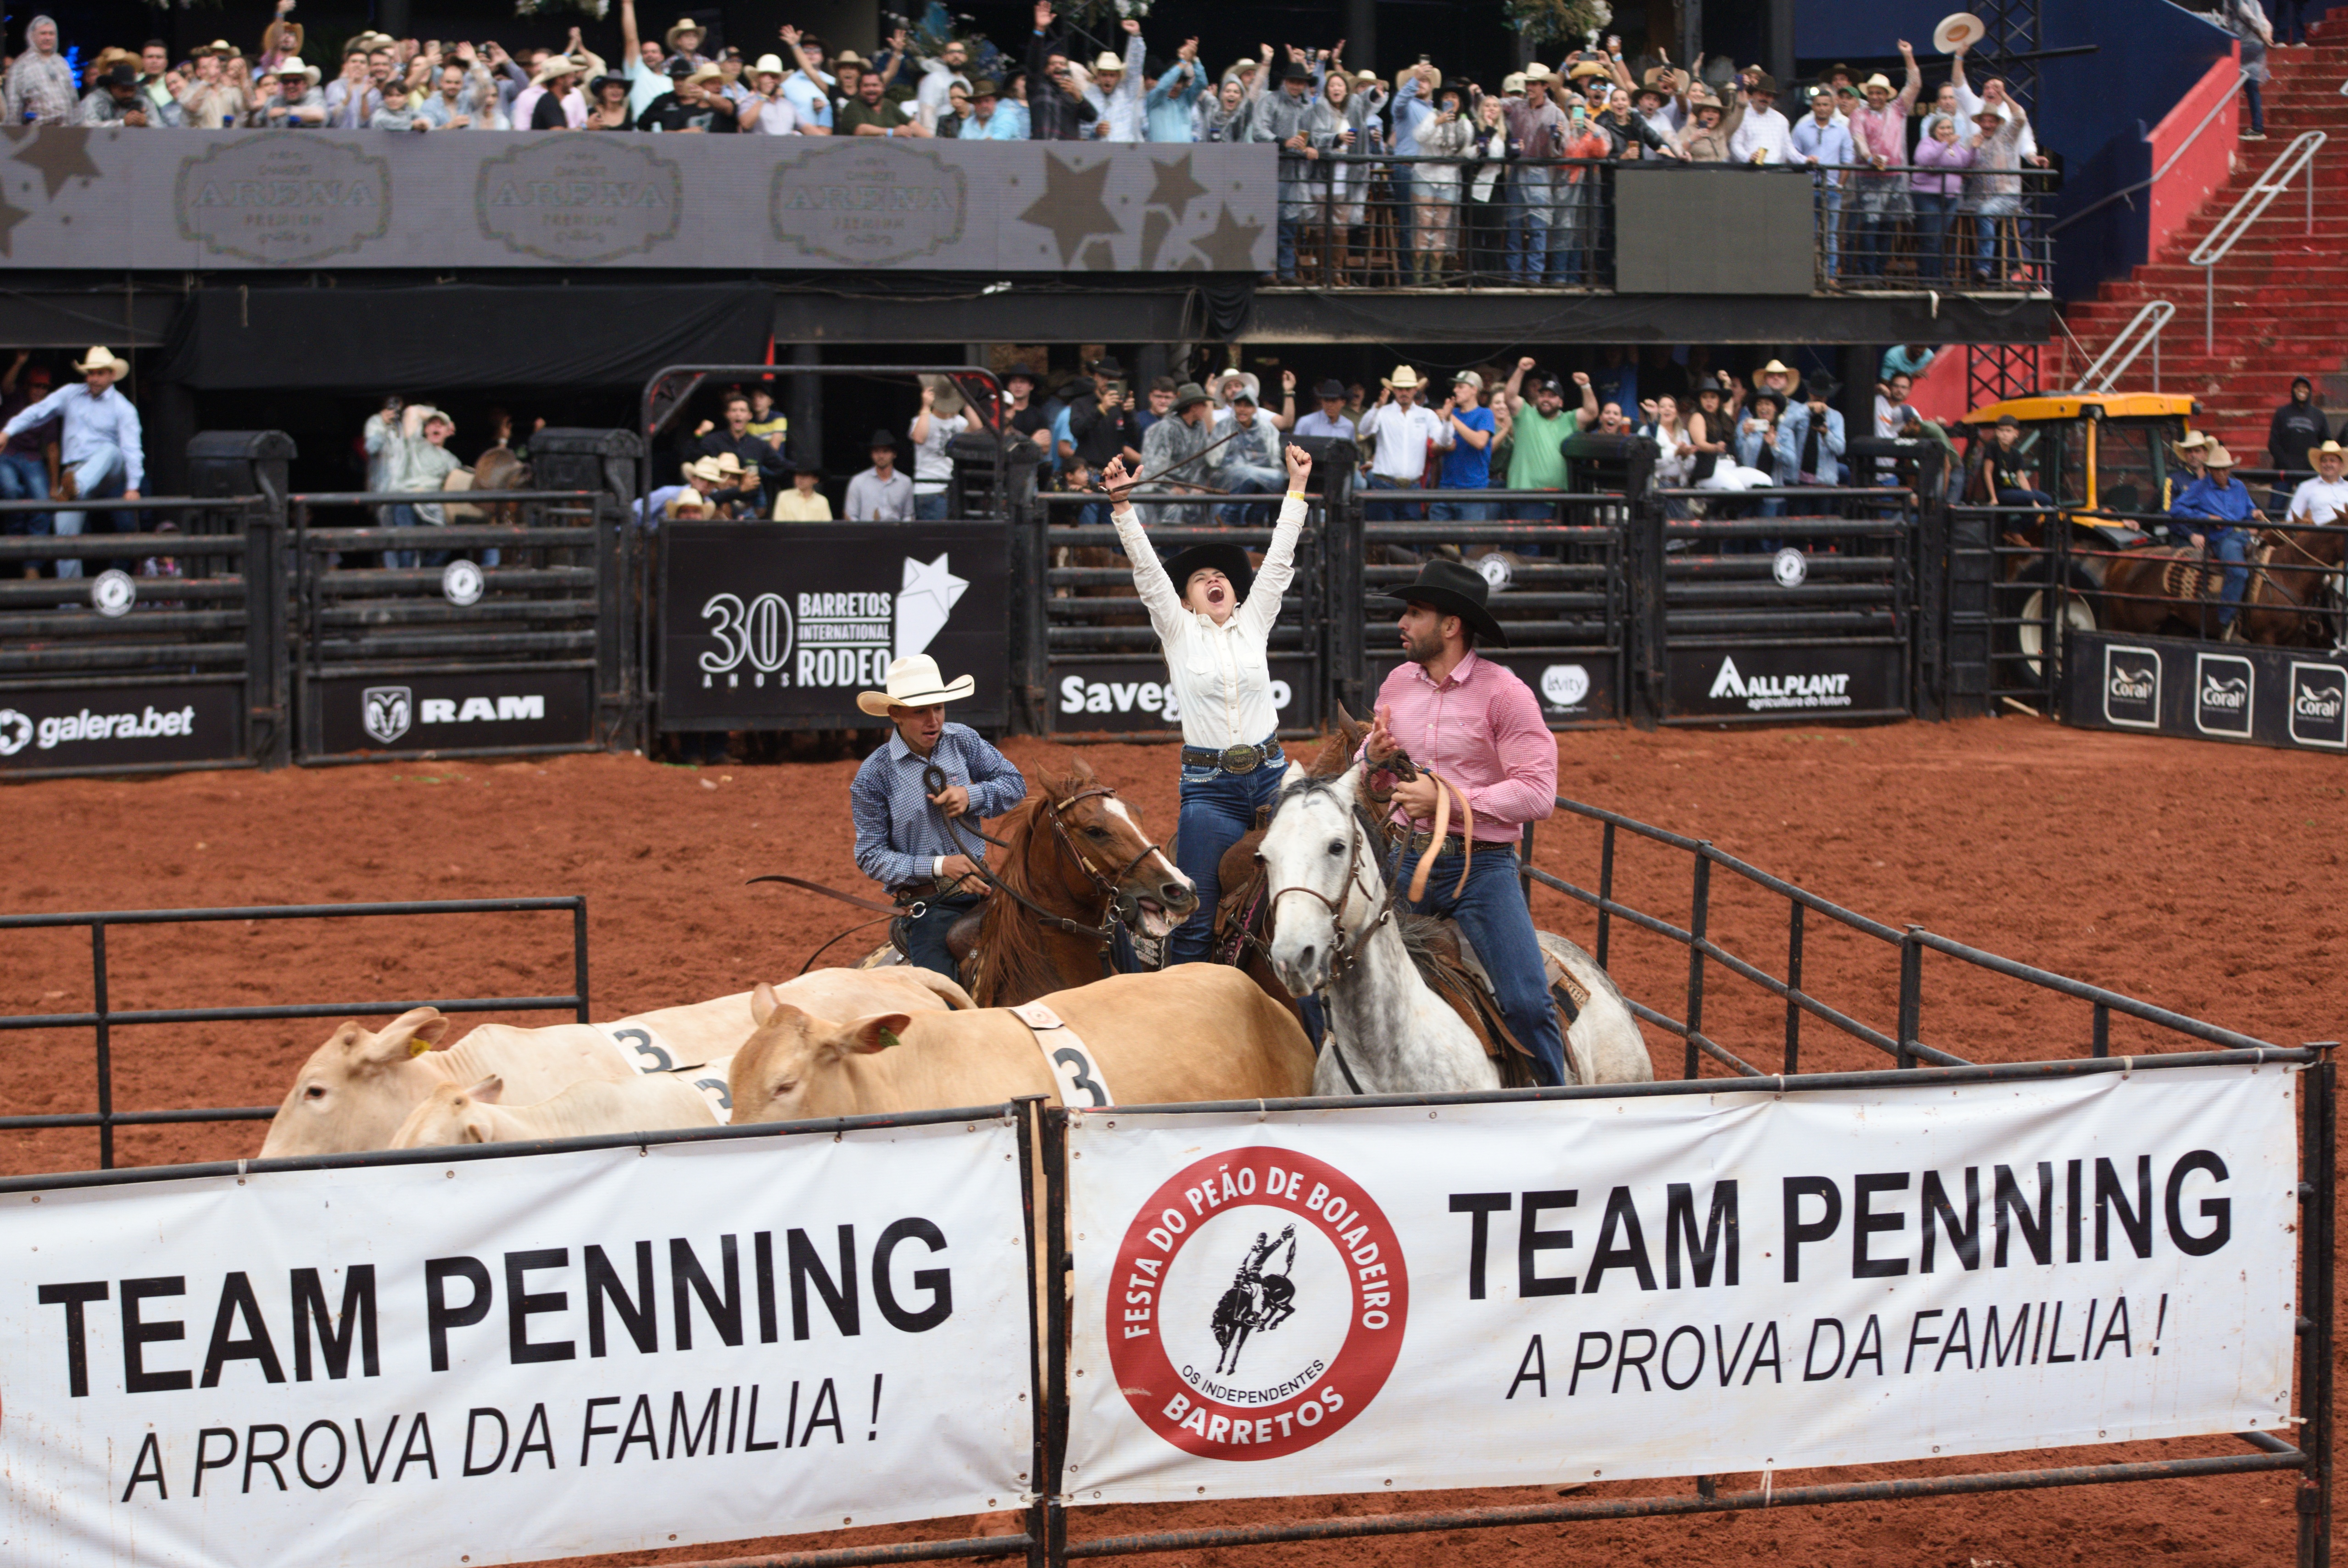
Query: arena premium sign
2295, 698
1737, 1281
121, 727
242, 199
780, 625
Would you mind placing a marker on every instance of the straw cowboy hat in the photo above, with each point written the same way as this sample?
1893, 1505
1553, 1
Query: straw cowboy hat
948, 402
1959, 30
914, 682
684, 25
2329, 449
1403, 379
1875, 81
555, 66
1107, 62
1702, 98
706, 469
1450, 588
1777, 367
769, 65
1581, 69
293, 65
101, 357
2217, 457
1221, 385
2195, 441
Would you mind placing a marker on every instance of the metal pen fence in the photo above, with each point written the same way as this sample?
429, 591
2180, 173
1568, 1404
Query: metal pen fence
103, 1018
1361, 220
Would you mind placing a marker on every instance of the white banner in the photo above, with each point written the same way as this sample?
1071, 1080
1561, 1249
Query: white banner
1348, 1300
505, 1359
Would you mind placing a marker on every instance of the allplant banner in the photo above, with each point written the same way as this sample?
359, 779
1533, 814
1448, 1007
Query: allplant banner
507, 1359
1349, 1300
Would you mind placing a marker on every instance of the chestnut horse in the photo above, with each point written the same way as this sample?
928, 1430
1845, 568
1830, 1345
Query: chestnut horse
1072, 855
2293, 600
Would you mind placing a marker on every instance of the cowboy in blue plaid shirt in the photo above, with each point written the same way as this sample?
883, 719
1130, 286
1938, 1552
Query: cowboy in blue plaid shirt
902, 840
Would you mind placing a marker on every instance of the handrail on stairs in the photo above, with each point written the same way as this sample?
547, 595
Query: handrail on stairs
2124, 192
2142, 331
2247, 210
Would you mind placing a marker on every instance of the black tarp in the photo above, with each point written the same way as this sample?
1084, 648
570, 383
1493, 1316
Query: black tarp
460, 336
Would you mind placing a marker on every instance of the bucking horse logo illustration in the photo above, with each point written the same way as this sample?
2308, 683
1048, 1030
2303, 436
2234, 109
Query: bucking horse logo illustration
1256, 1300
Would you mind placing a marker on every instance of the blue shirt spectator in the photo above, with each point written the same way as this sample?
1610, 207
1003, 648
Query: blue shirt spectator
1168, 109
1467, 467
1795, 446
2225, 500
1829, 143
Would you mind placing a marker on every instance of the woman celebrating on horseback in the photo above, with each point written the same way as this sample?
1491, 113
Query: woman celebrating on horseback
1213, 614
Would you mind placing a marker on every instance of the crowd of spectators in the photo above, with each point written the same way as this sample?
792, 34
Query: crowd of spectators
1414, 175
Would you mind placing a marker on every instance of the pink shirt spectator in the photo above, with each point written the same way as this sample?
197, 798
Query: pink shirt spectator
1481, 730
1883, 133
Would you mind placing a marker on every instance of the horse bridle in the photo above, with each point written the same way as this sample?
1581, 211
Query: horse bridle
1053, 809
1344, 946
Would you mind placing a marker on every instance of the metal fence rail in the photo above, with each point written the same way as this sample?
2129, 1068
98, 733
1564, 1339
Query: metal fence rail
103, 1017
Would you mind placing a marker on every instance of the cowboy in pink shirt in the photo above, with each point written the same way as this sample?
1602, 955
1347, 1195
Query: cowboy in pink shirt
1480, 728
1880, 133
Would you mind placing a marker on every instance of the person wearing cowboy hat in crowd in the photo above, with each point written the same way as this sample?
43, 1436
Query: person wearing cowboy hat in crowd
102, 451
288, 98
1809, 439
1214, 614
767, 110
940, 420
2324, 498
552, 95
1878, 128
1404, 429
210, 101
880, 494
1764, 136
695, 105
1710, 126
115, 99
803, 502
1116, 92
1453, 711
1174, 454
683, 40
901, 838
1330, 421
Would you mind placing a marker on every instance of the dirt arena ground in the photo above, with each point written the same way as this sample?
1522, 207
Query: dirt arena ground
2203, 877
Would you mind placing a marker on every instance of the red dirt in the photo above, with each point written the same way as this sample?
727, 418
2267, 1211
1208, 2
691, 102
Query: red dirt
2199, 876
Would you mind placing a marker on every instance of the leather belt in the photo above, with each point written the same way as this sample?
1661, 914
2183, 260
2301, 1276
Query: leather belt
1453, 843
1232, 759
924, 892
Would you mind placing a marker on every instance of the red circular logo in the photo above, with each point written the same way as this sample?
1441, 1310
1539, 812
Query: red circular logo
1257, 1305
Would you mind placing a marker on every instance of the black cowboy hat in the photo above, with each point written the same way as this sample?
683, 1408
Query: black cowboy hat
1819, 387
1231, 560
882, 438
1452, 588
1331, 387
1295, 71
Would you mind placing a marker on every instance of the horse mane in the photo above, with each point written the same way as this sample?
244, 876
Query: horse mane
1011, 957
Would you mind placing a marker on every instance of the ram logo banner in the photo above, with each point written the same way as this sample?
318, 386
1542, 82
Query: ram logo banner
763, 621
1414, 1297
2132, 687
388, 712
2225, 688
2319, 705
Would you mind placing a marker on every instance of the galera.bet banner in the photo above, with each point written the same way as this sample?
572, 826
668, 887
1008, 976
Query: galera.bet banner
1348, 1300
506, 1359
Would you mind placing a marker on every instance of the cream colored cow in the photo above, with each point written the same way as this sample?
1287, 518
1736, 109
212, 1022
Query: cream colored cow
475, 1114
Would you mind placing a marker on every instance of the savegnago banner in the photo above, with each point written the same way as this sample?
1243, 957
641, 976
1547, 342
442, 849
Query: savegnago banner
517, 1358
1485, 1295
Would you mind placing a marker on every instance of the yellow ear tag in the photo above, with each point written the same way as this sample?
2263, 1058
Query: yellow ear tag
889, 1038
418, 1047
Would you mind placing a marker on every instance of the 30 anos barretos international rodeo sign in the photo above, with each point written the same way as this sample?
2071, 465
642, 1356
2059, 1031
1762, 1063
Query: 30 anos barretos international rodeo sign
1350, 1300
505, 1359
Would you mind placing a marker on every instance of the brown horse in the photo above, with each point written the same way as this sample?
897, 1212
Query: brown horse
1073, 853
2295, 594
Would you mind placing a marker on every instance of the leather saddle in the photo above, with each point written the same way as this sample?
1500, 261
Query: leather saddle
961, 936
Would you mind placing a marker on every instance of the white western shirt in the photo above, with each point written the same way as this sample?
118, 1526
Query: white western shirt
2320, 500
1219, 673
1402, 435
108, 419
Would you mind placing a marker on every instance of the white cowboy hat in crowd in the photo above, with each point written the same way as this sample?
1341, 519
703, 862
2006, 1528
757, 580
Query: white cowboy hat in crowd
1959, 30
1107, 62
1403, 378
555, 66
2217, 457
914, 682
769, 65
684, 25
291, 66
704, 468
1225, 389
101, 357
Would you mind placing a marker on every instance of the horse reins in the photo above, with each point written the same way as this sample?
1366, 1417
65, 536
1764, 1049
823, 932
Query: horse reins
1103, 934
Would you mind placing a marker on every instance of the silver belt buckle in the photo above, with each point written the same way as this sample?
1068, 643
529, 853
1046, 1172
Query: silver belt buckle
1242, 759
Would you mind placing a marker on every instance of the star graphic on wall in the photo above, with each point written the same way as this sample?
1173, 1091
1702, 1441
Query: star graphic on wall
1175, 190
923, 603
1071, 205
1230, 246
60, 153
9, 218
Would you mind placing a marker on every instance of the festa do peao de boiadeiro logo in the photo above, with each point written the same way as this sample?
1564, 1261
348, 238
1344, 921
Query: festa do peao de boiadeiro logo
1257, 1307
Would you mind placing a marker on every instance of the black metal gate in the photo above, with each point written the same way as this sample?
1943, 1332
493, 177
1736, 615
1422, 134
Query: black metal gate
500, 634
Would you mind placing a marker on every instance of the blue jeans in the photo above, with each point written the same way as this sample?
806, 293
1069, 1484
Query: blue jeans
403, 517
96, 477
1463, 511
1529, 203
1246, 479
1493, 913
928, 508
1390, 511
2258, 105
2230, 546
1398, 179
1218, 810
925, 935
1829, 211
25, 477
1933, 216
